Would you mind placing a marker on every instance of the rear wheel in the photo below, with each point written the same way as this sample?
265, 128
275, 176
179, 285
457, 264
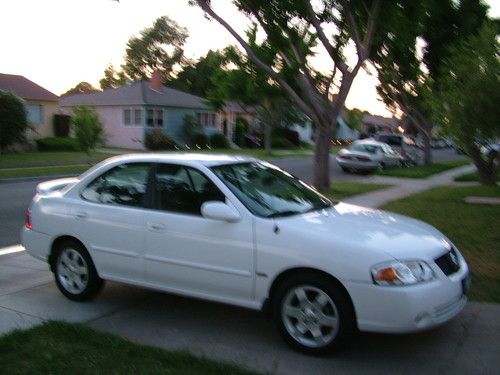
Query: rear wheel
345, 169
313, 314
75, 273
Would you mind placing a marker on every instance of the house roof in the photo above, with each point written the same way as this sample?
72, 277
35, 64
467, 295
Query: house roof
376, 120
136, 93
25, 88
236, 107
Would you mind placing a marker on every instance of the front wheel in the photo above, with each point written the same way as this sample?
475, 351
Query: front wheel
313, 314
75, 274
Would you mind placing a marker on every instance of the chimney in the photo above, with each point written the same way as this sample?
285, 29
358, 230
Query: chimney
155, 81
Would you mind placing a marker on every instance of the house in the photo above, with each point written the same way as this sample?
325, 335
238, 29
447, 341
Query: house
230, 112
130, 112
375, 124
40, 103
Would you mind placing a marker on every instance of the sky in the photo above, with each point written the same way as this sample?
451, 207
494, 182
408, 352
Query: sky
59, 43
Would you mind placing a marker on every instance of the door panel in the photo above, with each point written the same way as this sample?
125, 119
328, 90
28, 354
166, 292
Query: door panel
188, 252
110, 219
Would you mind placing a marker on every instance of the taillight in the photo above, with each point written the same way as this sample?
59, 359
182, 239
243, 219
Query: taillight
28, 223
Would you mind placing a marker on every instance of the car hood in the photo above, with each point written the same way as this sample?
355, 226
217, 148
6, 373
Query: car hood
396, 235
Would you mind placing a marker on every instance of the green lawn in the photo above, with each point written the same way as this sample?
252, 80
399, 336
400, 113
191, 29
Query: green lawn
44, 159
471, 177
423, 171
473, 228
63, 348
344, 189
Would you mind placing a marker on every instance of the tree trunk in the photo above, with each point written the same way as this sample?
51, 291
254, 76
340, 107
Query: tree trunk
485, 168
267, 137
321, 176
427, 148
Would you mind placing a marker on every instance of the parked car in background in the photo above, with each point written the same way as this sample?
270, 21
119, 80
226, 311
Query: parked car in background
408, 148
244, 232
368, 155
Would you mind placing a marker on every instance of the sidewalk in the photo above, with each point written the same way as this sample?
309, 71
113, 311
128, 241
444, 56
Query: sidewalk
404, 187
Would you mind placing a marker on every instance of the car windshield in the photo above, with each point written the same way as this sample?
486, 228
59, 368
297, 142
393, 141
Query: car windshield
371, 149
267, 191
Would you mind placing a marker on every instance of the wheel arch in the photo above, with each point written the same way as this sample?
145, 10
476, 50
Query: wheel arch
286, 274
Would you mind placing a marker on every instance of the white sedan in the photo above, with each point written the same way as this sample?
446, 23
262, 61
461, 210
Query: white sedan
366, 155
241, 231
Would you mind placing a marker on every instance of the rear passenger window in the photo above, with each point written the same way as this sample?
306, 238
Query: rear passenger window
123, 185
183, 189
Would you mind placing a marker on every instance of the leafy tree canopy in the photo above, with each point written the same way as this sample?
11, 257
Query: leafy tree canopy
159, 47
112, 78
81, 88
13, 120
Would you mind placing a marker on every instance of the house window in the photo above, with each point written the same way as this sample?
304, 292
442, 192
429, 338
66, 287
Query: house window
154, 118
206, 119
132, 117
159, 118
150, 119
34, 112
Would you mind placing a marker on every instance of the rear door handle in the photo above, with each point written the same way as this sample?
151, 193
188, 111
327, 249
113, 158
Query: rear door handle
156, 227
81, 215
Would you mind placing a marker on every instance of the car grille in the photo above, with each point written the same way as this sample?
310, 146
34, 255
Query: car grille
449, 262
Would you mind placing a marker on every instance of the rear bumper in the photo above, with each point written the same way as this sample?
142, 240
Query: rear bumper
36, 244
409, 308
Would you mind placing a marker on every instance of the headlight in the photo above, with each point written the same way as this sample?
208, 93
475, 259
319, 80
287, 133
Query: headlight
402, 273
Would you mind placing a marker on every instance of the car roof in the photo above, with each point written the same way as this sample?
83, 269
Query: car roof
205, 159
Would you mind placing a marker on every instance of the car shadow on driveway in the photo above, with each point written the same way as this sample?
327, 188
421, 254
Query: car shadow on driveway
238, 335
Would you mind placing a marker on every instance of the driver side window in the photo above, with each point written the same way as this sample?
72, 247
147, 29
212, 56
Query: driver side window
183, 189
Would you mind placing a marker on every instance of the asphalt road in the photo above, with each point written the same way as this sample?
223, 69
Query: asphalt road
15, 197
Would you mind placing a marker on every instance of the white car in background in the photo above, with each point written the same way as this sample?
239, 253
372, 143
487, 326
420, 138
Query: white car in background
368, 155
240, 231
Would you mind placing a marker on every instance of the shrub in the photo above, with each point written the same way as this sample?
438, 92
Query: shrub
61, 125
157, 140
219, 140
13, 120
89, 131
291, 135
57, 144
279, 142
200, 139
240, 128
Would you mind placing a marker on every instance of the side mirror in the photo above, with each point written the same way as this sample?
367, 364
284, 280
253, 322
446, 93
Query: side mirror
219, 211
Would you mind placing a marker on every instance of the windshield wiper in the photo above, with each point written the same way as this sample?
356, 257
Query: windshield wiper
321, 206
283, 213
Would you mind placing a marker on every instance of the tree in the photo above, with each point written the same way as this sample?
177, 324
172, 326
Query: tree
81, 88
466, 103
240, 80
354, 118
195, 77
112, 78
88, 129
13, 120
292, 28
159, 47
407, 75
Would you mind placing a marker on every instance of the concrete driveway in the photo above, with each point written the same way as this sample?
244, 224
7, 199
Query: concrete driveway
28, 295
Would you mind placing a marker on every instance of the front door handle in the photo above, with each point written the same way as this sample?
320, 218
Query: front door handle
156, 227
81, 215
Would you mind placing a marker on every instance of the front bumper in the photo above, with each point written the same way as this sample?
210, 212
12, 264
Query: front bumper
356, 164
404, 309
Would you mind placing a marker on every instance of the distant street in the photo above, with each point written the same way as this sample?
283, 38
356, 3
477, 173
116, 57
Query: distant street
16, 196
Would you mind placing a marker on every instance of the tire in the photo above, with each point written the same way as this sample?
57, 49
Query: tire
75, 273
313, 314
346, 170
